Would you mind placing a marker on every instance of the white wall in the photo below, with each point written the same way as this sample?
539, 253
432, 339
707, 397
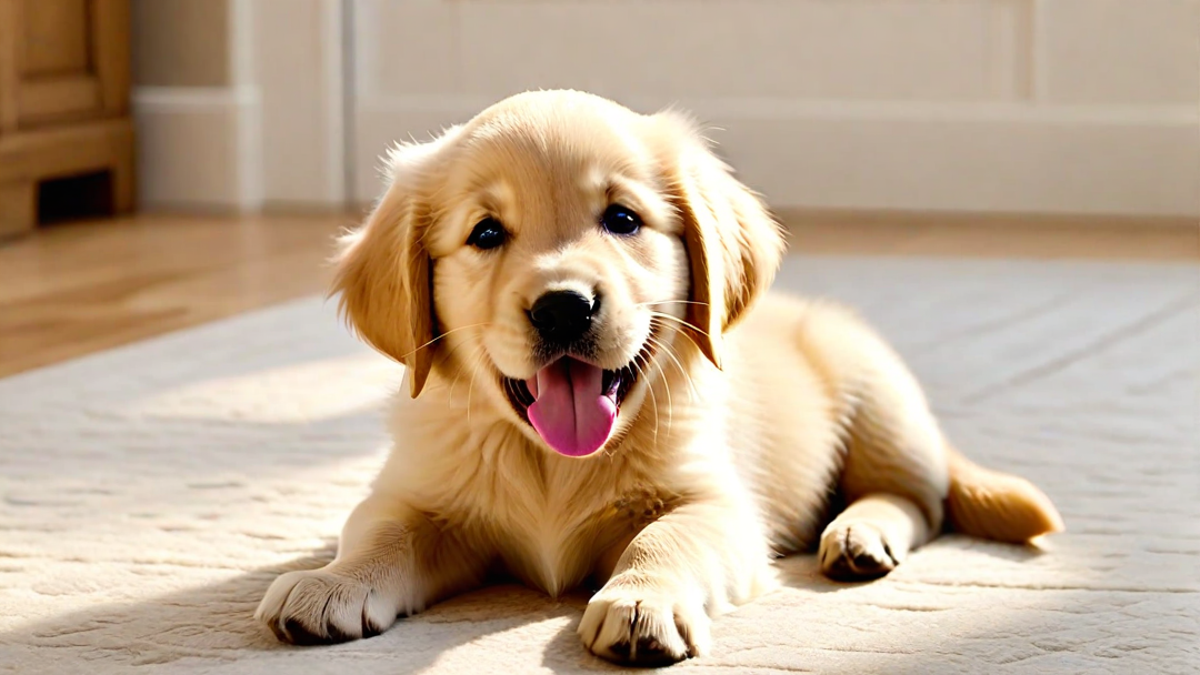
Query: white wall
1080, 106
272, 136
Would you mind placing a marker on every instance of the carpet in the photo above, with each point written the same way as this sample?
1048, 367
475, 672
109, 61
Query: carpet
151, 493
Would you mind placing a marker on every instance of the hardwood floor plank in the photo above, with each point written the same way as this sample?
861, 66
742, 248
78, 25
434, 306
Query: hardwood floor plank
74, 289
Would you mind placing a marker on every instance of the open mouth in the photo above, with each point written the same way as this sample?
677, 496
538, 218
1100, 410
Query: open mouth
573, 404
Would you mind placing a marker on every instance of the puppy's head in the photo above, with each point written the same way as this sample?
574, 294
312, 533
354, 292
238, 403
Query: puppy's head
549, 252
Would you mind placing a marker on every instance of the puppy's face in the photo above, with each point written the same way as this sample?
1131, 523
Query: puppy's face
550, 252
557, 261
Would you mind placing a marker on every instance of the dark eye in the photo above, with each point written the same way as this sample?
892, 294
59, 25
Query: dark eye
488, 234
620, 220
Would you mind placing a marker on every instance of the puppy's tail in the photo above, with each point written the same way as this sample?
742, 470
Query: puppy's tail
994, 505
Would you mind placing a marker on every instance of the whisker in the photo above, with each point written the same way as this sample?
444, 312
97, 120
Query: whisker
653, 398
681, 321
662, 345
474, 376
449, 332
686, 378
677, 330
670, 402
458, 373
674, 357
671, 302
668, 354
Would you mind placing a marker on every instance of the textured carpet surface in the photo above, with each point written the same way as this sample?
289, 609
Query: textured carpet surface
149, 495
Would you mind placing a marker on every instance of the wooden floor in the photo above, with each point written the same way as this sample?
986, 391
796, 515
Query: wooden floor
72, 289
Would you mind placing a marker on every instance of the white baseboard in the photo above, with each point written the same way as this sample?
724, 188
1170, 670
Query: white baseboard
198, 148
1003, 157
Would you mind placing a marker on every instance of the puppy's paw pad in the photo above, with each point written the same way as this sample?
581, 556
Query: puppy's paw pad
626, 629
856, 551
319, 607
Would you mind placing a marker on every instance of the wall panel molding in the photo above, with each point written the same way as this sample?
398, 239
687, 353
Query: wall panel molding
1003, 157
976, 105
274, 138
192, 147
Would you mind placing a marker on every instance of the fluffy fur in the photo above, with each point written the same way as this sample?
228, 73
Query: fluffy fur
749, 413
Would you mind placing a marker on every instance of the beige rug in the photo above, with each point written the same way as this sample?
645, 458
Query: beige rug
148, 495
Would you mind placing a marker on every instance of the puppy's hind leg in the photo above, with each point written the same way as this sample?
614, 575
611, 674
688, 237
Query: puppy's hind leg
871, 537
895, 479
900, 476
895, 474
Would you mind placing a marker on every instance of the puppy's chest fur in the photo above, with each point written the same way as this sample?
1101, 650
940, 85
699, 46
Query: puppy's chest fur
551, 521
568, 532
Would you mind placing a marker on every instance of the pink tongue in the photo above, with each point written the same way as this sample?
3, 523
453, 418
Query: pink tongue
571, 412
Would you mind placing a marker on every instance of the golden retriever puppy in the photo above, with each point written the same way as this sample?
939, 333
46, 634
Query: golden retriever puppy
602, 390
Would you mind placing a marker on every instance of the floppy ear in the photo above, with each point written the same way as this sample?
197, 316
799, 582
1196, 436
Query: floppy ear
734, 245
383, 271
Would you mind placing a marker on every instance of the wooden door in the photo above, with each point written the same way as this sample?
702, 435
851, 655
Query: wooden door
64, 61
64, 105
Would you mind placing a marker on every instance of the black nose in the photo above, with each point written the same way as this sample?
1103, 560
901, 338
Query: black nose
562, 317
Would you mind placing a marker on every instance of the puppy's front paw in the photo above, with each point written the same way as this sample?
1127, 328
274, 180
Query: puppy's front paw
632, 625
857, 550
320, 607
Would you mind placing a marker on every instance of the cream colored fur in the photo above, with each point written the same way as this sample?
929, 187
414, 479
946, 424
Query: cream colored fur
752, 411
